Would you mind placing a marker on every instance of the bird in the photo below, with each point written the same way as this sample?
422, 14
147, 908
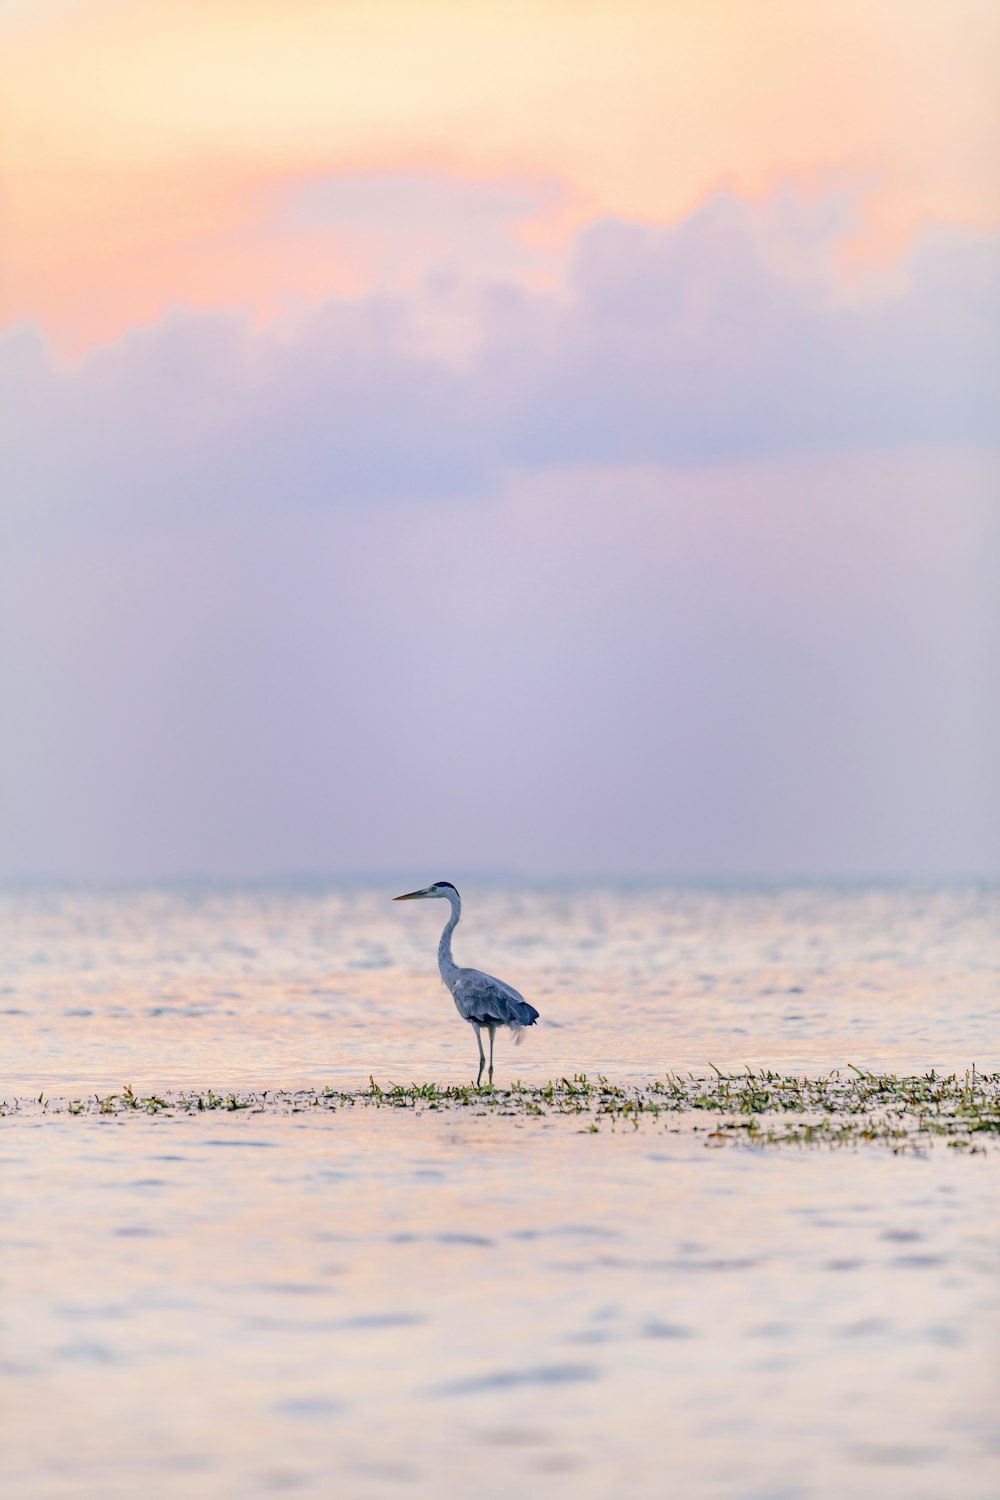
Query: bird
479, 998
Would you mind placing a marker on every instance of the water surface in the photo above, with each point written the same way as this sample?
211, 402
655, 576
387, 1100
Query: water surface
370, 1303
279, 987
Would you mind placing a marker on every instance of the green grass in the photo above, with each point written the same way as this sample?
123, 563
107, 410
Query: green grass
755, 1109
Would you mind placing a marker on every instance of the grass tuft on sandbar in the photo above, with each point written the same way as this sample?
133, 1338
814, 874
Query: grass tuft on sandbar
751, 1109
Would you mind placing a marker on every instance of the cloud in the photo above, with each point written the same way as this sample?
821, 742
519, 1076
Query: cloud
688, 567
141, 151
727, 336
774, 668
686, 344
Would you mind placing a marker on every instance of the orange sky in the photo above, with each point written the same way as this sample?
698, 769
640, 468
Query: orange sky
148, 147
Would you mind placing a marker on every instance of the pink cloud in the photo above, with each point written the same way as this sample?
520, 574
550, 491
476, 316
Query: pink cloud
688, 568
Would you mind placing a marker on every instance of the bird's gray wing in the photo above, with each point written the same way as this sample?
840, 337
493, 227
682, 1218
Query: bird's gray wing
479, 997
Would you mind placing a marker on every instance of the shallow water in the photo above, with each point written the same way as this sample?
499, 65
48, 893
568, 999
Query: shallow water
375, 1302
259, 988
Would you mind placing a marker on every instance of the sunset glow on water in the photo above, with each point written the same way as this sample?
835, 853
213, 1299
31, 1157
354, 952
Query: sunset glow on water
246, 1302
278, 987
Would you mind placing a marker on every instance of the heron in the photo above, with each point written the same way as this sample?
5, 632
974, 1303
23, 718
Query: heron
479, 998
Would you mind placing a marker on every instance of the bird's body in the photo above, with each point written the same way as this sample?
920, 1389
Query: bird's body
479, 998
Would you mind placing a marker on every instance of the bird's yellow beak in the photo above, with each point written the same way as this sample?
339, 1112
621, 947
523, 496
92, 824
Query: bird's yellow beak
410, 896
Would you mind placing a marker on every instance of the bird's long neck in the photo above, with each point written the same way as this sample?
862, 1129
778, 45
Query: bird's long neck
446, 963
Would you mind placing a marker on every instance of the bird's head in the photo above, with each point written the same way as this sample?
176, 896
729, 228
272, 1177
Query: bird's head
441, 888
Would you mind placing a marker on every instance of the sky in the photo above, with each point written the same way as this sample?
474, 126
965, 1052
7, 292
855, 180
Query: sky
552, 439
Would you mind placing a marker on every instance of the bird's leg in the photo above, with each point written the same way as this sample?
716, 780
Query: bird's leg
482, 1055
492, 1031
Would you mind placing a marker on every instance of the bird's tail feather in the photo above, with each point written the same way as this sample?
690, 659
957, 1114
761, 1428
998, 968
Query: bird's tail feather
527, 1015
